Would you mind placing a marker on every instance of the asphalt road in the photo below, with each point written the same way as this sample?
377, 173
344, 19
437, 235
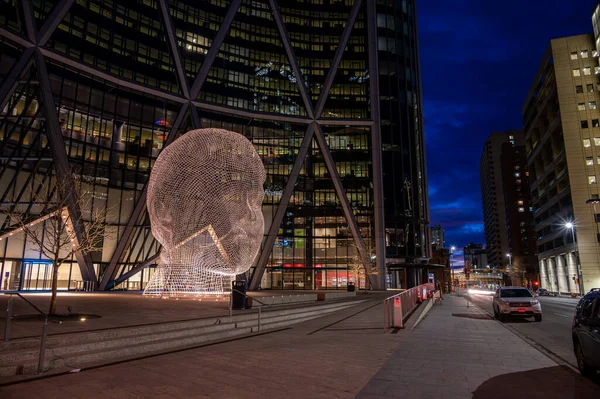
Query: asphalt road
553, 333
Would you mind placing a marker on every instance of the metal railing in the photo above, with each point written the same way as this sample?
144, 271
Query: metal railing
246, 296
396, 307
8, 320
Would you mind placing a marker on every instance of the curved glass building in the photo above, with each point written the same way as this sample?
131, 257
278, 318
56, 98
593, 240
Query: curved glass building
328, 91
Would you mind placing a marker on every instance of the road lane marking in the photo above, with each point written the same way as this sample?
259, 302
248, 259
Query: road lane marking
563, 315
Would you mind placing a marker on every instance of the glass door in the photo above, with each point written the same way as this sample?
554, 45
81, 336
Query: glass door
36, 275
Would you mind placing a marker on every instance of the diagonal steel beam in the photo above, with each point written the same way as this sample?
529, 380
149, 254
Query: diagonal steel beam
14, 76
140, 207
29, 20
53, 20
136, 269
172, 41
341, 193
376, 148
337, 58
281, 208
292, 58
214, 49
61, 165
196, 122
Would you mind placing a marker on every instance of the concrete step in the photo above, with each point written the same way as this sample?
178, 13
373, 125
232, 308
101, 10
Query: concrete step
79, 351
106, 334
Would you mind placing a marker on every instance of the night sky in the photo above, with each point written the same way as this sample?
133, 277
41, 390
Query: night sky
478, 60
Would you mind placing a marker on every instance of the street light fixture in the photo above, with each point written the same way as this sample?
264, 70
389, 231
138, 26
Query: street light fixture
510, 266
571, 226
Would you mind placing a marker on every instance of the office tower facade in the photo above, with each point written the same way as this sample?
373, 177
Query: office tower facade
328, 92
560, 116
437, 237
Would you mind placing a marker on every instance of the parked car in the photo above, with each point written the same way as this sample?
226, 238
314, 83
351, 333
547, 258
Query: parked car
516, 301
543, 292
586, 333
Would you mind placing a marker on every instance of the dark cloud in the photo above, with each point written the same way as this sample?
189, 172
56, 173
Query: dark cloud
478, 59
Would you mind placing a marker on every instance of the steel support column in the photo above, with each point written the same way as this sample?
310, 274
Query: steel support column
136, 269
292, 58
140, 207
54, 19
341, 193
14, 76
195, 118
281, 208
62, 167
28, 19
172, 41
337, 58
214, 49
376, 150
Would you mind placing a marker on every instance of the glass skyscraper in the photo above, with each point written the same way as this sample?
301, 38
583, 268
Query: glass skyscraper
328, 91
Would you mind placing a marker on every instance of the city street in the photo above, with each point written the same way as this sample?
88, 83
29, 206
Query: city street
553, 333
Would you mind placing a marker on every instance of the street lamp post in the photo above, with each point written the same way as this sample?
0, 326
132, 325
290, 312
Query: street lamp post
451, 269
510, 267
571, 226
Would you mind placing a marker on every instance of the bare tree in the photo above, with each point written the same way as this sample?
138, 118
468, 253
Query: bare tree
365, 262
52, 228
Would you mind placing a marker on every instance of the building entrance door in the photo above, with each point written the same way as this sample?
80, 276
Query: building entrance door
36, 275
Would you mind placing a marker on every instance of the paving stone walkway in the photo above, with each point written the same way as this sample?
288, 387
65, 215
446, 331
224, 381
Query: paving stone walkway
460, 352
454, 352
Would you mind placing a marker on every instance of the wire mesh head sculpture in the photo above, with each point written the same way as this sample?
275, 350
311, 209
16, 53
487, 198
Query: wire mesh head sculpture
204, 200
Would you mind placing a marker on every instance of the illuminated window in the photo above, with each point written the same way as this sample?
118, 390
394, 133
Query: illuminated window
520, 202
517, 174
517, 167
587, 143
579, 89
587, 71
596, 141
595, 53
576, 72
511, 137
574, 55
593, 105
592, 179
584, 54
584, 124
597, 70
590, 88
581, 106
589, 161
521, 209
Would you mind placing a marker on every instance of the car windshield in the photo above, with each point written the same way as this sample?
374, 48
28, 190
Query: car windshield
515, 293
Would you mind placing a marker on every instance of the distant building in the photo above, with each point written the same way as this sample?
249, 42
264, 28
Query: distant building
472, 255
437, 237
562, 130
492, 196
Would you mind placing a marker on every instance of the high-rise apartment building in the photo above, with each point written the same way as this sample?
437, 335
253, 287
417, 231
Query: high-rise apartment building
492, 196
437, 237
507, 212
562, 128
327, 91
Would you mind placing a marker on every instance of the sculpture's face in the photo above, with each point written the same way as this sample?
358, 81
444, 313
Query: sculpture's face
204, 199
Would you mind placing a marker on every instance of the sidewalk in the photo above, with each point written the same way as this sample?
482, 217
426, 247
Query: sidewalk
460, 352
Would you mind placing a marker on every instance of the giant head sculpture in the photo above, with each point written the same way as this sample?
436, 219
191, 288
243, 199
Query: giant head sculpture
204, 200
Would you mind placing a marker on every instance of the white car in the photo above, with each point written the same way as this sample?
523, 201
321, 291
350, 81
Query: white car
516, 301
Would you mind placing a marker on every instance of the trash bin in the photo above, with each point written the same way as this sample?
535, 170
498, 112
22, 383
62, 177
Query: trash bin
238, 294
350, 287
